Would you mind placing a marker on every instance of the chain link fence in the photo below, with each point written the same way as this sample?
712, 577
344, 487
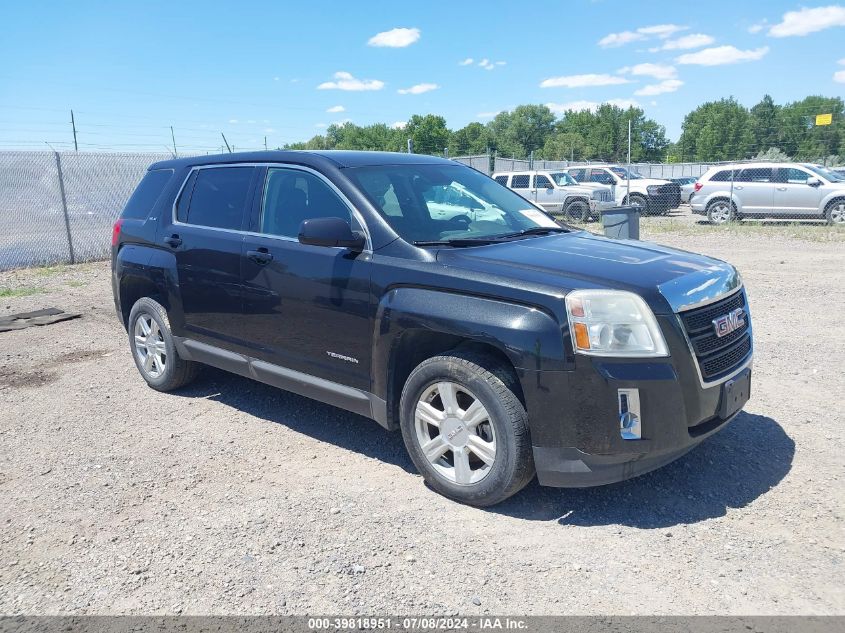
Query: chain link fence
59, 207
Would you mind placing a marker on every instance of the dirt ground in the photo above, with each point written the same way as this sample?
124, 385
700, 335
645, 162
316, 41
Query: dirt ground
233, 497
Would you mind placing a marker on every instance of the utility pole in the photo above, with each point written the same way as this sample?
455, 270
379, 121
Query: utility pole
410, 146
265, 143
73, 124
227, 142
628, 180
173, 136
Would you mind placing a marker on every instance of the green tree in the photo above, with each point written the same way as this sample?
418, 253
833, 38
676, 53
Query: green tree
429, 133
764, 124
523, 130
802, 138
471, 139
717, 130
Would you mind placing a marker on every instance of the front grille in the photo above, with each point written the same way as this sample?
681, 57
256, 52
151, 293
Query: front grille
718, 356
603, 195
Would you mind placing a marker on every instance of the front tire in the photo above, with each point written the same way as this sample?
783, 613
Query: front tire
153, 349
637, 200
465, 428
835, 213
577, 211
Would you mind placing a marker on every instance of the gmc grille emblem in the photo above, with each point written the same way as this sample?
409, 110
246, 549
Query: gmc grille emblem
729, 322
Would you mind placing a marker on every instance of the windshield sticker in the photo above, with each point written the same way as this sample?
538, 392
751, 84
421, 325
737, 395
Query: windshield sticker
540, 218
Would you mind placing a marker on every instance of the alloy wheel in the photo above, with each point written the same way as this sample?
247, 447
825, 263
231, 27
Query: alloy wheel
720, 213
455, 433
837, 213
150, 348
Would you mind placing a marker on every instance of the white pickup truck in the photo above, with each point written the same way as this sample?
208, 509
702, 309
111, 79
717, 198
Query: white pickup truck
652, 195
557, 192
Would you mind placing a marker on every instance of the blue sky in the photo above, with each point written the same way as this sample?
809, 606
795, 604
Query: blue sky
275, 69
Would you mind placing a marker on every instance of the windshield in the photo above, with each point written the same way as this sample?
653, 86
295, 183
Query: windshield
623, 173
562, 179
824, 173
437, 203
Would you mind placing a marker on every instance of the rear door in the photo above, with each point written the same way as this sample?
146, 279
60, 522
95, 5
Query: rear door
521, 184
755, 190
205, 237
792, 195
306, 308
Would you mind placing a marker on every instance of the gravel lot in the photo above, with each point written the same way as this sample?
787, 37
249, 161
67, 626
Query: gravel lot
234, 497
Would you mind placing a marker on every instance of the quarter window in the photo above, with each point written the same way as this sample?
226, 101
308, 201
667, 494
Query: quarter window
146, 194
723, 176
291, 196
219, 197
520, 182
502, 180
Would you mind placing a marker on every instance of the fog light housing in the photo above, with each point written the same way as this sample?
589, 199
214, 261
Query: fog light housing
630, 421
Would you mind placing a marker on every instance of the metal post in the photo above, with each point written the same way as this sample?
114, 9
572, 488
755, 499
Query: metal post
265, 143
173, 136
64, 207
73, 125
628, 193
445, 152
410, 146
227, 142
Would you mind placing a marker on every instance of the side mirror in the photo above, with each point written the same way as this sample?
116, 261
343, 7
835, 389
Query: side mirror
330, 232
813, 181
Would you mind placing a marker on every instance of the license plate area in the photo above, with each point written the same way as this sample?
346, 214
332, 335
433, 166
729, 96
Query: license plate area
735, 393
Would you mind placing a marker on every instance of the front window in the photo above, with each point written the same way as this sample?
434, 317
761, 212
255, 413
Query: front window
438, 203
625, 174
563, 179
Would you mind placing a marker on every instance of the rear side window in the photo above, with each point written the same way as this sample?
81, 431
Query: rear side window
219, 197
146, 194
520, 182
755, 174
577, 174
502, 180
602, 177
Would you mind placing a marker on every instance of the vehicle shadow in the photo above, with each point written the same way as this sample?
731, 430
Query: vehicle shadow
728, 470
315, 419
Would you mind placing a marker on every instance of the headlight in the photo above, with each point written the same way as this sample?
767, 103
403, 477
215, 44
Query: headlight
653, 189
613, 323
597, 195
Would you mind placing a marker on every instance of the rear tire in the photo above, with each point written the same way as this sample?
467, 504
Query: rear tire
153, 349
577, 211
720, 212
465, 429
637, 200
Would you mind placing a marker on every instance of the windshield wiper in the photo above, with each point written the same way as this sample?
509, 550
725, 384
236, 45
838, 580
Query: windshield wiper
465, 241
537, 230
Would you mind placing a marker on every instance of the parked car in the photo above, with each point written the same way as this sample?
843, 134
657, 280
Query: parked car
557, 192
500, 348
770, 190
839, 171
653, 195
687, 185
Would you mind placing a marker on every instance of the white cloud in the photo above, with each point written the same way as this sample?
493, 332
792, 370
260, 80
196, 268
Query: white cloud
669, 85
395, 38
583, 81
486, 64
337, 108
345, 81
841, 62
839, 76
806, 21
686, 42
592, 106
275, 79
418, 89
662, 31
399, 125
466, 62
722, 55
658, 71
487, 115
234, 121
757, 27
269, 130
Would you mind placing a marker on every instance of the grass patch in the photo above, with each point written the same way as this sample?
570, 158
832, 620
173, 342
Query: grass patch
23, 291
821, 233
74, 283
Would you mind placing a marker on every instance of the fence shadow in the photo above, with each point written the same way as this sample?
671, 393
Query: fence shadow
729, 470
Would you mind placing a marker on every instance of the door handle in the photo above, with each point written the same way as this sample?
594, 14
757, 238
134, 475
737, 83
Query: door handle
261, 256
174, 241
781, 188
738, 188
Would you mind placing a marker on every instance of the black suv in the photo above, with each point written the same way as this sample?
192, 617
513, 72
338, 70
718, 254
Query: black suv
501, 343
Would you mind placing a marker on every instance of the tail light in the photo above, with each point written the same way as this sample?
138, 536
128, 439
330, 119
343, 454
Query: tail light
115, 232
697, 186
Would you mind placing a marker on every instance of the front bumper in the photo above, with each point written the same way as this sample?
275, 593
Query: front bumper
597, 206
575, 415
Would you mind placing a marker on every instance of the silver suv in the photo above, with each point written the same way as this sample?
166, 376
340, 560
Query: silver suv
770, 190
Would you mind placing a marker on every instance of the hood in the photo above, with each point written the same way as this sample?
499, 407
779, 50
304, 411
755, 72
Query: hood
580, 188
591, 186
650, 181
668, 279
